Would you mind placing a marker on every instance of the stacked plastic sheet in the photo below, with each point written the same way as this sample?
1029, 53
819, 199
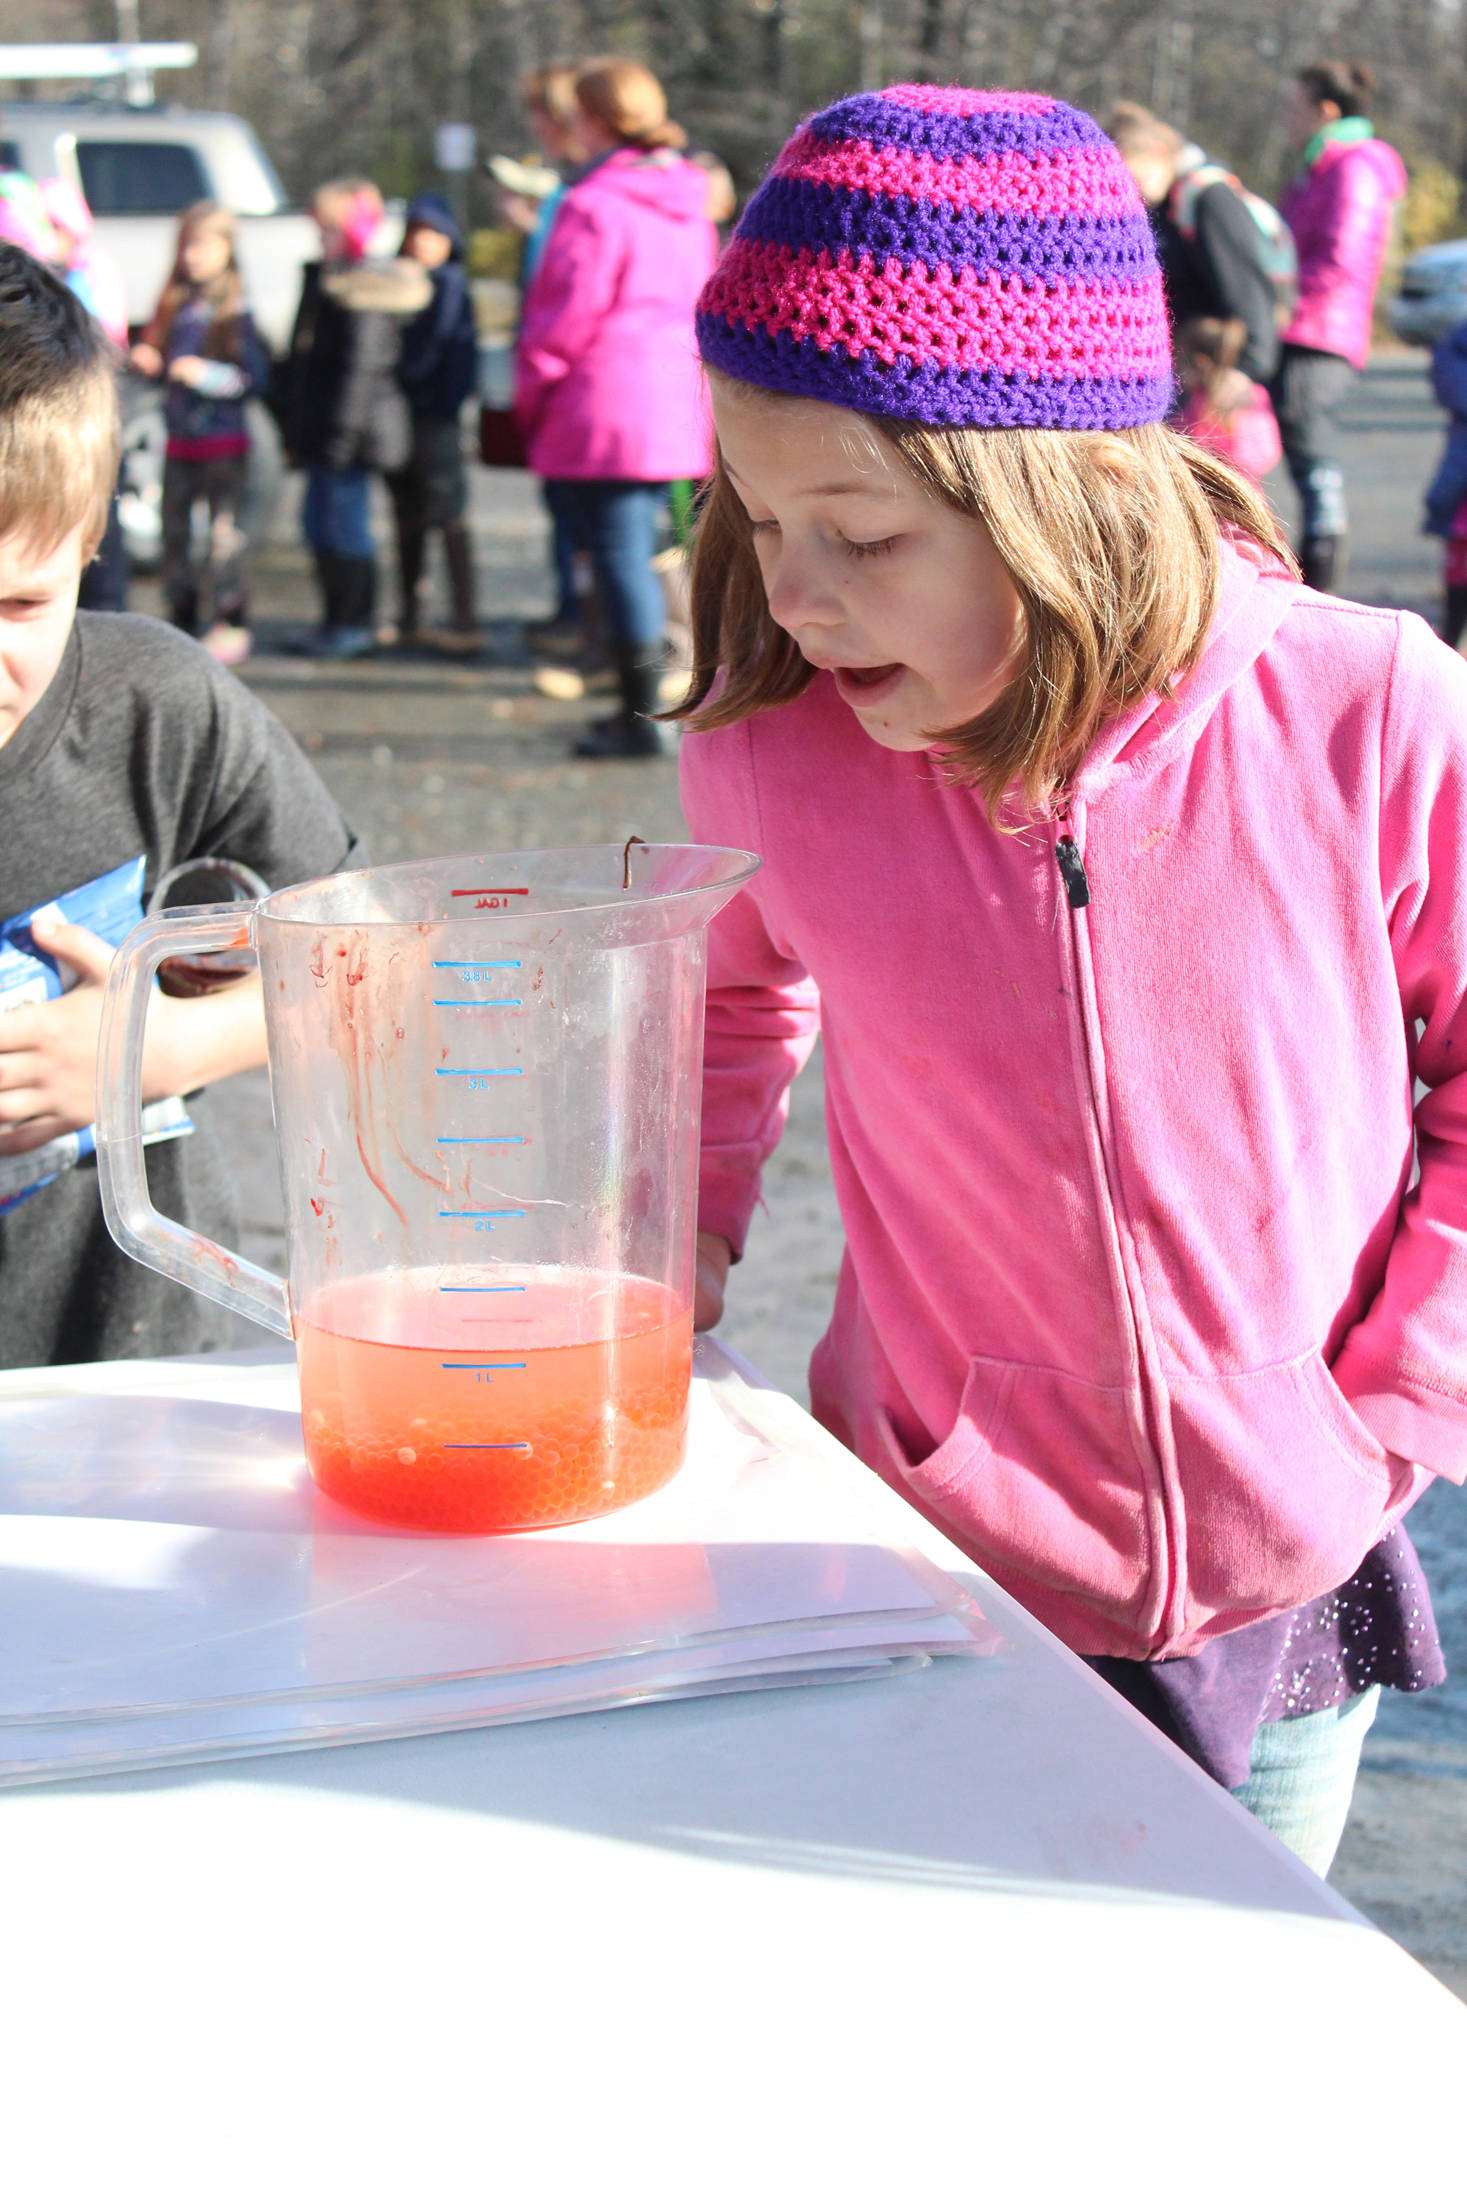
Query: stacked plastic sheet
174, 1589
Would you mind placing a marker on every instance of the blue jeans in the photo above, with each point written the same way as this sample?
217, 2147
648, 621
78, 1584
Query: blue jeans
337, 519
1302, 1776
615, 522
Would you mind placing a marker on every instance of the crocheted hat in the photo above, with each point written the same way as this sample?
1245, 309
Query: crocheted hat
968, 259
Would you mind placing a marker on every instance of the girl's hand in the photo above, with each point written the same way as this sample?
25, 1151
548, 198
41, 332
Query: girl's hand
714, 1255
189, 371
517, 212
147, 359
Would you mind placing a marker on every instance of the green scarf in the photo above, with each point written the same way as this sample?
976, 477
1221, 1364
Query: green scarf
1344, 130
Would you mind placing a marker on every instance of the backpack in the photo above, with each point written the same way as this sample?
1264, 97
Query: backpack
1276, 255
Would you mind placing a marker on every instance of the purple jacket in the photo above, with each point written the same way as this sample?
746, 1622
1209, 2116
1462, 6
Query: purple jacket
1340, 215
608, 386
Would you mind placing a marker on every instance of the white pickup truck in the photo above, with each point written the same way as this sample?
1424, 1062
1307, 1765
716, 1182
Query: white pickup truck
139, 167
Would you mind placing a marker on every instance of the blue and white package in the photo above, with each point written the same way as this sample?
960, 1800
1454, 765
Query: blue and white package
110, 907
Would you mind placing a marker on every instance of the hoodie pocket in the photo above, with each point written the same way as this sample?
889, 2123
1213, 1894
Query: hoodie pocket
1038, 1481
1284, 1487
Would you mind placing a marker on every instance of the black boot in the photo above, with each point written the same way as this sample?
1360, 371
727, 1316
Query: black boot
1322, 561
1454, 616
412, 542
349, 594
328, 582
183, 610
633, 731
458, 552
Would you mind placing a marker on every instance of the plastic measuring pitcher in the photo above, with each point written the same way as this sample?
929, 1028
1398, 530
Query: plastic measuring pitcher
485, 1075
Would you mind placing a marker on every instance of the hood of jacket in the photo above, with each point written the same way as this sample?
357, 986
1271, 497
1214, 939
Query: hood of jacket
1254, 595
378, 286
661, 184
431, 210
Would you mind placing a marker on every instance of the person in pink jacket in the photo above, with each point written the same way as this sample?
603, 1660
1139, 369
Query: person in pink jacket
1124, 878
608, 389
1340, 212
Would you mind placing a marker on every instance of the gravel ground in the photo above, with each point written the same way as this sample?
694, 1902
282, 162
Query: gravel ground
432, 758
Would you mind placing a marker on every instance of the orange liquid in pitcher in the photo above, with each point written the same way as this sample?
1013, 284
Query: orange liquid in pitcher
482, 1401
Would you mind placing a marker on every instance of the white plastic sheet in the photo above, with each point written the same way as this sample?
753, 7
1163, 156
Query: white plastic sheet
173, 1587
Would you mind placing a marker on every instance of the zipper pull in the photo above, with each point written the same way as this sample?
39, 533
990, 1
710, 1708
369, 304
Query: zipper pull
1072, 870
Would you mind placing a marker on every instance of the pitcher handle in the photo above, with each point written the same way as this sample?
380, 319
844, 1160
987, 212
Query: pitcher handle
150, 1237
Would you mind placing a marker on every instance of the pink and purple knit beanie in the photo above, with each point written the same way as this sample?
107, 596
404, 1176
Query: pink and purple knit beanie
967, 259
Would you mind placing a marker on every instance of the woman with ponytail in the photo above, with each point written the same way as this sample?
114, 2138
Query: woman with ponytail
608, 386
1340, 215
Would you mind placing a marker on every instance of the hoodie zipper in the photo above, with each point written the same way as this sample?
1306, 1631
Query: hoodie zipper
1072, 867
1160, 1617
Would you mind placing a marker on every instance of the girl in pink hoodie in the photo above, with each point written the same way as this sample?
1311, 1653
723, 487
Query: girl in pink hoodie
1123, 878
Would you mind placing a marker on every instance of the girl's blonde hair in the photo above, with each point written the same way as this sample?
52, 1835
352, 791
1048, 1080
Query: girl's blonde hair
627, 100
1112, 540
223, 293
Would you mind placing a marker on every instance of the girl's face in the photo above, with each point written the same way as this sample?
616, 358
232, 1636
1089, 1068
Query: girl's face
902, 599
205, 254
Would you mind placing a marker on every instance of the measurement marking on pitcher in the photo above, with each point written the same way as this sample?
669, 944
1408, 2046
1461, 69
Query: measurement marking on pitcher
481, 1214
478, 1073
470, 1001
503, 1141
487, 897
476, 965
483, 1367
487, 1447
483, 1290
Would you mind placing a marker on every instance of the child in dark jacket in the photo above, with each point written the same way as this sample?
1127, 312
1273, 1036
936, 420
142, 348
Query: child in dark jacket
438, 370
346, 415
201, 341
1446, 498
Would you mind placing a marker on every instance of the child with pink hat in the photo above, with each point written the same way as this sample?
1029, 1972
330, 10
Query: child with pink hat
1123, 877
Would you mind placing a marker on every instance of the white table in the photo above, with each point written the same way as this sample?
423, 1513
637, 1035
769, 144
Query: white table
974, 1930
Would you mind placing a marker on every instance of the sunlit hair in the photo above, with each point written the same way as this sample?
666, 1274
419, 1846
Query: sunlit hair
223, 293
627, 100
1112, 540
1134, 129
551, 92
58, 410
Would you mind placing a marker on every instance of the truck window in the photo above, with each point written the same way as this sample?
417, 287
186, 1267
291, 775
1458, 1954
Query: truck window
139, 176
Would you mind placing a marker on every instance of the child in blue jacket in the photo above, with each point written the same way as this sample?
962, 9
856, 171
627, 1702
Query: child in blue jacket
438, 371
1446, 498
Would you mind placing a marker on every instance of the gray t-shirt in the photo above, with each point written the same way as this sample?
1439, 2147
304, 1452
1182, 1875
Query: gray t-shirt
141, 745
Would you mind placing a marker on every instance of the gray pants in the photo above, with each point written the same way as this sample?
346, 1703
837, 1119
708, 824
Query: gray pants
1308, 393
213, 590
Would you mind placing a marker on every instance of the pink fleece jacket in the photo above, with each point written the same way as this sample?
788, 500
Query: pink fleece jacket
607, 383
1340, 215
1139, 1302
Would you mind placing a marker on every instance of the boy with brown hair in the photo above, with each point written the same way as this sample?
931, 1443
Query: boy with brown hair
122, 745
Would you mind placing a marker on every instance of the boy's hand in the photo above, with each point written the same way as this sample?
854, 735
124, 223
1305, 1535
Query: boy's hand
189, 371
48, 1052
714, 1255
147, 359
